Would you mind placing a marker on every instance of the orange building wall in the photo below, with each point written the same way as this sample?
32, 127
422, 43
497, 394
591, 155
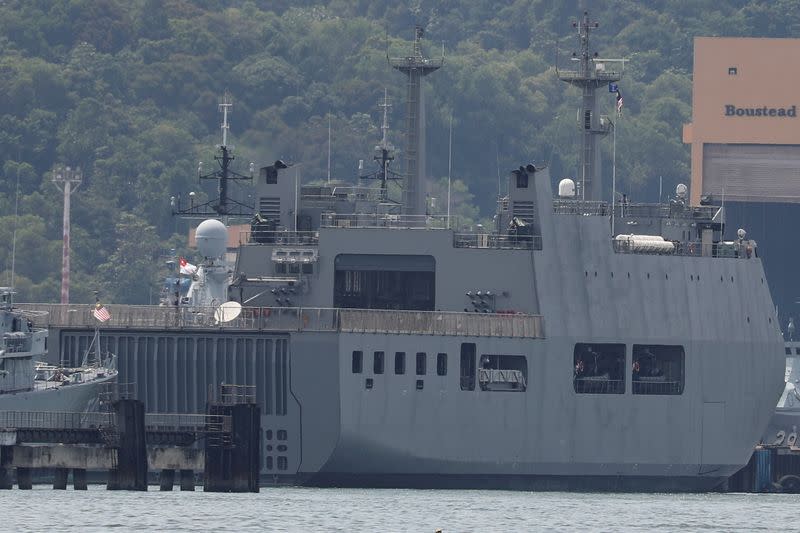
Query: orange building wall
768, 74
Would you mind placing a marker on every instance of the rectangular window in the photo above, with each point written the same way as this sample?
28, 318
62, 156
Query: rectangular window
441, 364
658, 369
358, 362
599, 368
420, 384
503, 373
467, 372
378, 363
308, 268
421, 363
400, 363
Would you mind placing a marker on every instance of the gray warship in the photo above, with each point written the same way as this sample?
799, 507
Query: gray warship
578, 344
27, 383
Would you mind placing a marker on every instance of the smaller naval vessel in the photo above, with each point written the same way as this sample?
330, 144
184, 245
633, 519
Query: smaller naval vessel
27, 383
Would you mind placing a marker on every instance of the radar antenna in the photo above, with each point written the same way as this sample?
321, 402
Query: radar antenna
223, 205
384, 153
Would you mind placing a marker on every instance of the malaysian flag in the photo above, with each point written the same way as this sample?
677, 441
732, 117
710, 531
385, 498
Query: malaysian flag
619, 103
101, 313
186, 267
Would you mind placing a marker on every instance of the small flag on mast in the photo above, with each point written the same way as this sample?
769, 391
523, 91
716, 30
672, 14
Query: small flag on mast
186, 267
619, 103
101, 313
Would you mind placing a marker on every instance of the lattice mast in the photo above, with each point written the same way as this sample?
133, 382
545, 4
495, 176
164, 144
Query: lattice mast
590, 74
64, 179
415, 67
223, 206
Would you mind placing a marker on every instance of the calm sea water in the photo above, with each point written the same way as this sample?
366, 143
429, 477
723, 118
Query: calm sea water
310, 510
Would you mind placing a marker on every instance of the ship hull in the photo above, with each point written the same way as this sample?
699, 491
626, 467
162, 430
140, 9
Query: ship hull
75, 398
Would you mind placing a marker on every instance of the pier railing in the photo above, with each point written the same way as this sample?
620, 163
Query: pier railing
283, 319
154, 422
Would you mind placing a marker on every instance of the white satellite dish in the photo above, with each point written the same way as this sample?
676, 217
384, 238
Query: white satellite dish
227, 312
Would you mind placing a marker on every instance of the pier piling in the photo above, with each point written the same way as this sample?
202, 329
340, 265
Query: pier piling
60, 476
24, 478
131, 471
167, 479
79, 479
187, 480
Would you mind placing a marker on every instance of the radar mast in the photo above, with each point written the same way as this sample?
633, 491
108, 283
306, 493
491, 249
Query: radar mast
415, 67
590, 74
223, 205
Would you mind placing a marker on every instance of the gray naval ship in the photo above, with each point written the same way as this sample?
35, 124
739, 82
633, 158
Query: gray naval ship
577, 344
27, 383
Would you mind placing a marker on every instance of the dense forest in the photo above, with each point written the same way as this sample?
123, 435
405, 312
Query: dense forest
127, 90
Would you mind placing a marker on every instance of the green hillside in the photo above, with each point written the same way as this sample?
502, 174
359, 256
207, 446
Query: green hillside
127, 90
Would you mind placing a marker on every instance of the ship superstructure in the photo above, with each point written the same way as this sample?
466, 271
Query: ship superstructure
399, 349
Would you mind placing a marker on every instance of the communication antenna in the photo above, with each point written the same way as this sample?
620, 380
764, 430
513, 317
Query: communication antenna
227, 312
224, 106
14, 240
329, 148
220, 206
449, 163
64, 178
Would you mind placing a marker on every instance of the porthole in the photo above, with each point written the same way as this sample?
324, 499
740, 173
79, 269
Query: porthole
648, 275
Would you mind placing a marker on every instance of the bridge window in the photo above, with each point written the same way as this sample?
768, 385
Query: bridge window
377, 366
441, 364
400, 363
599, 368
384, 281
658, 369
358, 361
467, 372
422, 363
503, 373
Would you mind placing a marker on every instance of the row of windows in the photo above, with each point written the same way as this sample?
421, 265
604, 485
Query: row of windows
378, 363
599, 368
655, 369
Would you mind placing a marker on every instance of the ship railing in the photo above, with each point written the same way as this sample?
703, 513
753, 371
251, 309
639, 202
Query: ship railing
599, 385
300, 319
657, 387
581, 207
441, 323
634, 210
497, 242
55, 420
730, 250
293, 238
232, 394
383, 220
188, 423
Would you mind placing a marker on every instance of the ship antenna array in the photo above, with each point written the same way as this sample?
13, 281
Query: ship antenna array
591, 73
415, 67
384, 152
223, 205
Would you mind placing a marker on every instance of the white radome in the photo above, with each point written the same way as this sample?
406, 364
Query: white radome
212, 238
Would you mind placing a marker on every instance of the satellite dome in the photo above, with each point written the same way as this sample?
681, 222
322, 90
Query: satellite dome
212, 238
681, 190
566, 188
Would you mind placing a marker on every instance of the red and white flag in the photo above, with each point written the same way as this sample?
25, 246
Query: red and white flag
101, 313
187, 268
619, 103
